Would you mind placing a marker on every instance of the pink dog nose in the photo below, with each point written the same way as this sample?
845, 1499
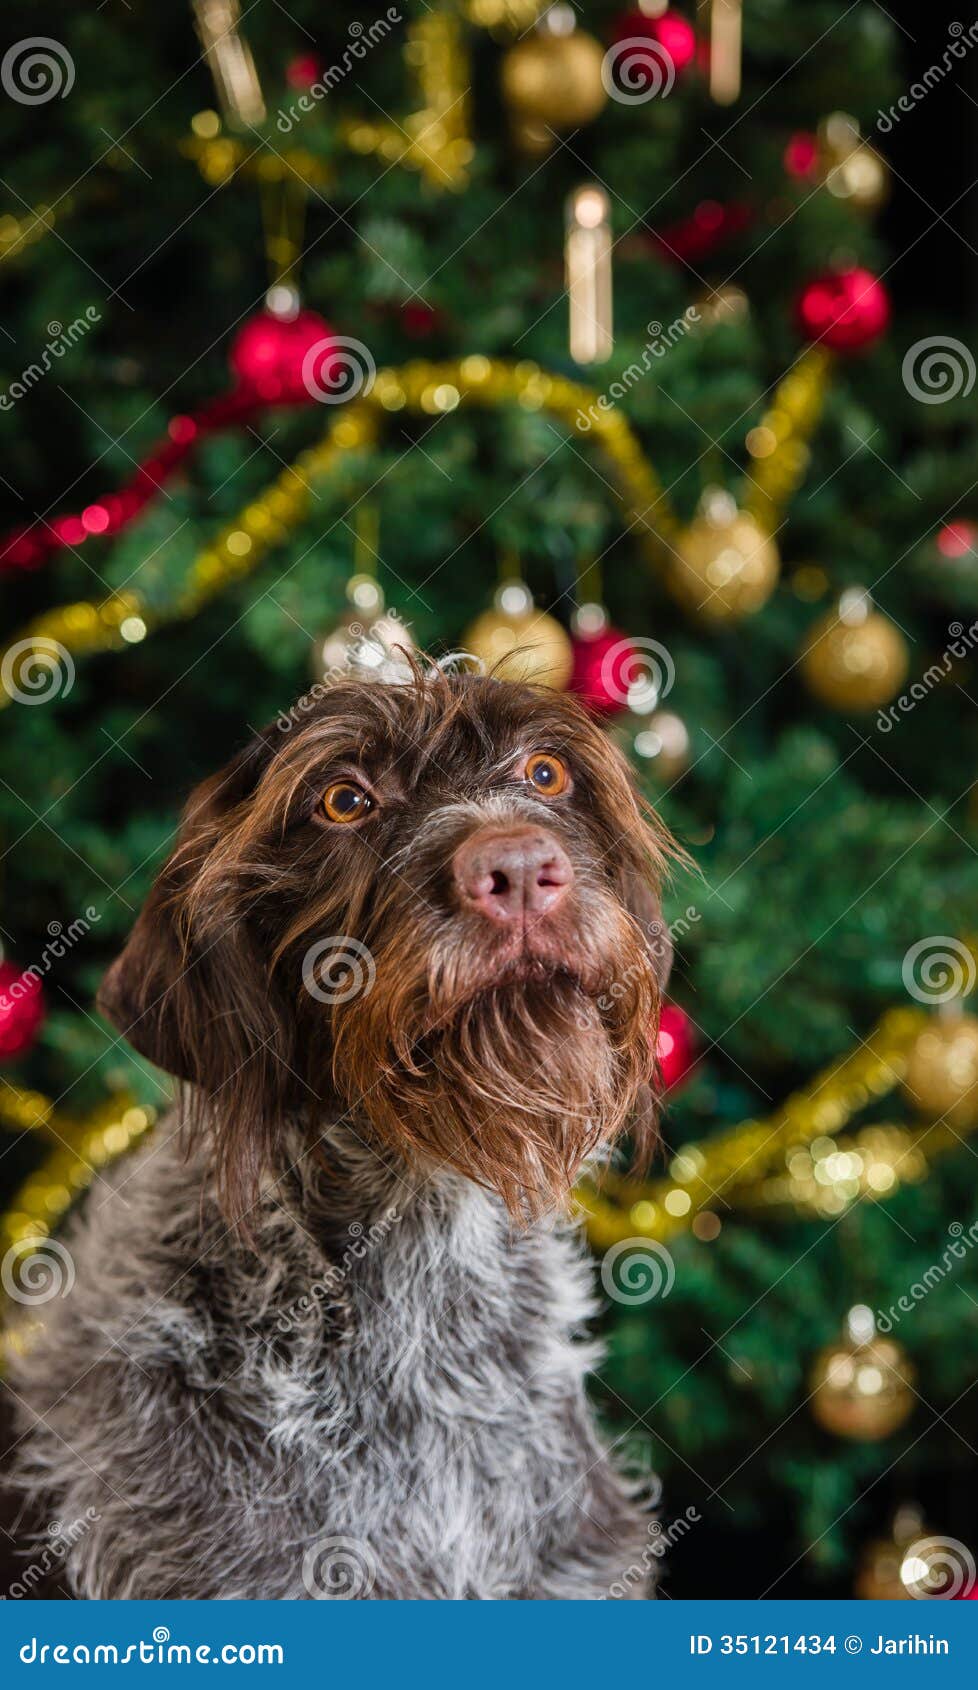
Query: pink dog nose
511, 874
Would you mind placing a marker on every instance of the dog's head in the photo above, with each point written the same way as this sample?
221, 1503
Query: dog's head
435, 904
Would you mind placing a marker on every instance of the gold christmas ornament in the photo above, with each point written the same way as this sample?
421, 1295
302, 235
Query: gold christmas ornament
367, 643
551, 79
850, 168
854, 658
721, 307
862, 1387
518, 642
662, 742
880, 1574
941, 1079
725, 565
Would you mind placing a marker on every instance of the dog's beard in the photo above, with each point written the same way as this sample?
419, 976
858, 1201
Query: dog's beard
513, 1085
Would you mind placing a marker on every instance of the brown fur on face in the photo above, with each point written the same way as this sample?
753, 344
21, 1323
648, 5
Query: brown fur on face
505, 1059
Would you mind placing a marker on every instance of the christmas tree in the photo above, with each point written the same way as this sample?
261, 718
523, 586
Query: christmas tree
472, 308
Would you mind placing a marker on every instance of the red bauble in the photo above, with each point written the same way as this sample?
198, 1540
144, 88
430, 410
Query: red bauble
844, 309
958, 539
21, 1010
303, 70
268, 355
671, 32
604, 665
801, 155
675, 1049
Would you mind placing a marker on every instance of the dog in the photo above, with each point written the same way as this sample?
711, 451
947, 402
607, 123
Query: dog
328, 1331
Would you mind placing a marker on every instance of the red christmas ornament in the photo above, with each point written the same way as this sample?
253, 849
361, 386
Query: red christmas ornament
675, 1052
419, 321
604, 664
268, 356
710, 225
801, 155
958, 539
303, 70
844, 309
670, 32
21, 1010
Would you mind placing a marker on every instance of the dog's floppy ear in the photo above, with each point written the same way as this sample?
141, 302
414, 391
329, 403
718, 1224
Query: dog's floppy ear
190, 992
143, 993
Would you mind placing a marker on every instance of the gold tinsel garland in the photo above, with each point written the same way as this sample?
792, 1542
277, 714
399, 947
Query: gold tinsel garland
423, 388
80, 1150
742, 1162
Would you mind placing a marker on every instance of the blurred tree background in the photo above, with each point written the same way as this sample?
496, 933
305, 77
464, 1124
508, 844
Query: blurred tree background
140, 226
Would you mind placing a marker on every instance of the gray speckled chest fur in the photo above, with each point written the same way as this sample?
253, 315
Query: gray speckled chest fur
387, 1400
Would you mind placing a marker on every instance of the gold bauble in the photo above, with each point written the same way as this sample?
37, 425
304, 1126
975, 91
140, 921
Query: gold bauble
516, 642
941, 1078
862, 1386
854, 658
879, 1576
367, 643
851, 169
661, 742
724, 565
554, 80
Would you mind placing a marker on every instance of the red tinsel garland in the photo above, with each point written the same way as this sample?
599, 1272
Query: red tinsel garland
268, 358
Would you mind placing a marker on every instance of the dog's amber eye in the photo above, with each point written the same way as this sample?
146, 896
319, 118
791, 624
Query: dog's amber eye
346, 802
547, 774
